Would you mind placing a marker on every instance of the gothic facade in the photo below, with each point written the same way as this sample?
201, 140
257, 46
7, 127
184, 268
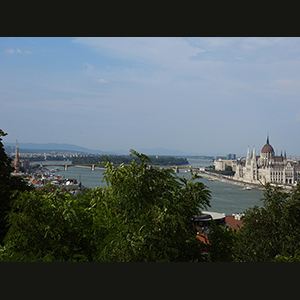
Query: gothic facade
267, 168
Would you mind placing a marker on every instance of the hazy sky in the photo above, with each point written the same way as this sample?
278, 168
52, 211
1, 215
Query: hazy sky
205, 95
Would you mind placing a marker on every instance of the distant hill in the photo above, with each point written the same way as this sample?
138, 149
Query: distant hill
35, 147
49, 147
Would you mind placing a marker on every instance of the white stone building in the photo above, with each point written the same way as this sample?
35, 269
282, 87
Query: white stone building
221, 164
267, 168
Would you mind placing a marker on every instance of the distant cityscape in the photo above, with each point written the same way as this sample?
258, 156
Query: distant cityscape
32, 165
267, 167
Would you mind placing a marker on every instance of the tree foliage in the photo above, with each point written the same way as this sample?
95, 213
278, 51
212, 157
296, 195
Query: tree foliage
7, 185
228, 170
143, 214
127, 159
155, 209
49, 227
221, 243
271, 232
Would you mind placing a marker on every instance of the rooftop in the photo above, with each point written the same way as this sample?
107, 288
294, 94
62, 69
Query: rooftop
233, 223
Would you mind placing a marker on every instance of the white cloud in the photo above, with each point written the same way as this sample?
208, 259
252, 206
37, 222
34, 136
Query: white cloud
9, 51
230, 65
18, 51
255, 43
164, 51
176, 56
237, 44
214, 43
89, 67
91, 71
239, 58
288, 83
101, 80
288, 88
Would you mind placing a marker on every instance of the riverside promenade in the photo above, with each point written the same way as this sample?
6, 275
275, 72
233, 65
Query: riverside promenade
229, 179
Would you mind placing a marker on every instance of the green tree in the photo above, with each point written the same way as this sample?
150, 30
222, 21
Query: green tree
7, 185
221, 243
228, 171
152, 213
143, 214
50, 226
271, 232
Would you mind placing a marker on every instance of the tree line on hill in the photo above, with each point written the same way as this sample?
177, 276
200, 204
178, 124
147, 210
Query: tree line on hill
127, 159
142, 214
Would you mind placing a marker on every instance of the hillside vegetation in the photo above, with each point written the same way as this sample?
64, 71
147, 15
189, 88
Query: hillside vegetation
126, 159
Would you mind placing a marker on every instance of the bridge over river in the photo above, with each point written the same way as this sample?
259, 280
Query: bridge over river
101, 166
66, 166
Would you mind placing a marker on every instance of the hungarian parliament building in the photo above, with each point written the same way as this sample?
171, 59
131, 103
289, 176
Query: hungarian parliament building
267, 168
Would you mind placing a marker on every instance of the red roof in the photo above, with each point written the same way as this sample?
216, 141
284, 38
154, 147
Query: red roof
234, 224
230, 220
267, 148
203, 238
278, 158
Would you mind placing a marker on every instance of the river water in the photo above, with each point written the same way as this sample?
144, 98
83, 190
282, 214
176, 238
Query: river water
225, 197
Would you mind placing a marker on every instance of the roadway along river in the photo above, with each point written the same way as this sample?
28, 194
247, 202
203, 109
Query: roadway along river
225, 197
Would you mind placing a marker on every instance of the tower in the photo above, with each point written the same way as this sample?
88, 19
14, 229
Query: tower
17, 160
267, 154
254, 170
248, 159
254, 154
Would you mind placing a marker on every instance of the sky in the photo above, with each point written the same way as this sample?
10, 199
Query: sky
206, 95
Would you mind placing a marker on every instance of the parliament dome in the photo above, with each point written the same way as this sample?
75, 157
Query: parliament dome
267, 148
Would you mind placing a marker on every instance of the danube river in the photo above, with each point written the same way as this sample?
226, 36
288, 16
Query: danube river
225, 197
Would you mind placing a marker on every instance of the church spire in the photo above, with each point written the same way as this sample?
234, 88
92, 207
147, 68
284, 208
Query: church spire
17, 161
248, 159
254, 154
268, 138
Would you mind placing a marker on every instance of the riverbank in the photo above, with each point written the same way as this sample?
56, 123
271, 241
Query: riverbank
222, 178
89, 167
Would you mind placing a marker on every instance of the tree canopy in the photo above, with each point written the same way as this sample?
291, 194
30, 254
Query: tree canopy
8, 184
271, 232
143, 214
126, 159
